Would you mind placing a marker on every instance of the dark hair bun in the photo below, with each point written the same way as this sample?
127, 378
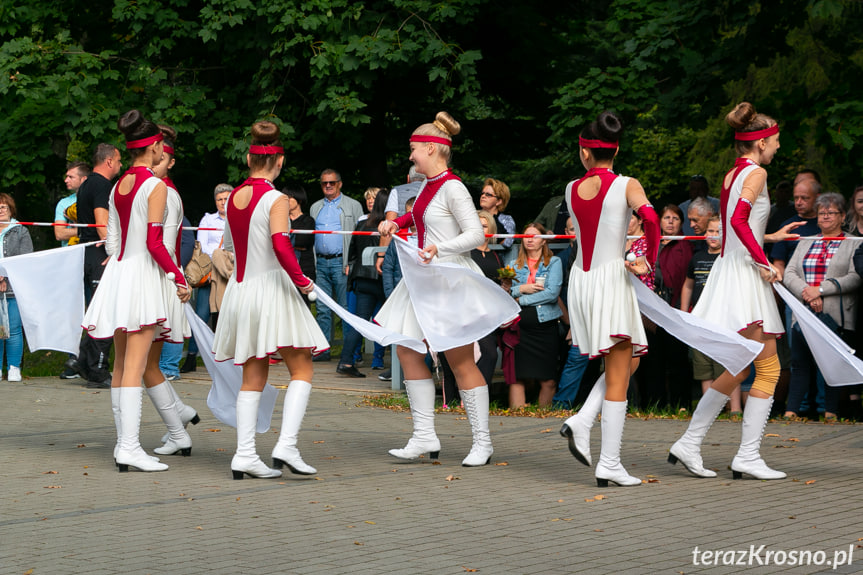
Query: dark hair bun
130, 122
609, 127
265, 133
740, 117
135, 126
168, 132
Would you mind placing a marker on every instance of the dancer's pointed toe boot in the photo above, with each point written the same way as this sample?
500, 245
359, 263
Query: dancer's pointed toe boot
609, 468
748, 459
687, 449
421, 396
179, 440
576, 429
286, 453
246, 460
187, 414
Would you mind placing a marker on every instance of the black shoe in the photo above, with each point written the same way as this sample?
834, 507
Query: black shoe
99, 384
69, 374
322, 357
386, 375
73, 369
191, 363
349, 370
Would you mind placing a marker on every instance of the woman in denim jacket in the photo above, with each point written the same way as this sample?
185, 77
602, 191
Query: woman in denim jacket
536, 286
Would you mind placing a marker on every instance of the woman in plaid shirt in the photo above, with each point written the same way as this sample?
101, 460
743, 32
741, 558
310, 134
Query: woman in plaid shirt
815, 274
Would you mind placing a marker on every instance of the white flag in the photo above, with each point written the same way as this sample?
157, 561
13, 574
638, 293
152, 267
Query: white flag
227, 379
49, 287
722, 345
834, 357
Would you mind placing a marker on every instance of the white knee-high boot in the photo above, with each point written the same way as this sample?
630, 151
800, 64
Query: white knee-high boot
424, 439
475, 403
577, 428
286, 452
687, 449
246, 459
129, 451
115, 409
609, 467
187, 414
748, 458
166, 405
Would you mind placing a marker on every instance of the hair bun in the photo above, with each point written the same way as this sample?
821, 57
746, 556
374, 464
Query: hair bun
740, 117
265, 133
447, 123
168, 132
130, 122
609, 127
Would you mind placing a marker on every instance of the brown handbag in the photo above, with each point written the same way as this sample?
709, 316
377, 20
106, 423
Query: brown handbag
198, 269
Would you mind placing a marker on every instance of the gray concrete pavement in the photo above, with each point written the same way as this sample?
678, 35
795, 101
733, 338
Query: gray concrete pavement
65, 508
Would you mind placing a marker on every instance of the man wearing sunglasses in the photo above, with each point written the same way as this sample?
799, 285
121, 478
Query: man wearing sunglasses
335, 212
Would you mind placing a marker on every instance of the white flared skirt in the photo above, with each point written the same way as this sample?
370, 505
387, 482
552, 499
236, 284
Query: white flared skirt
736, 297
130, 296
262, 314
603, 310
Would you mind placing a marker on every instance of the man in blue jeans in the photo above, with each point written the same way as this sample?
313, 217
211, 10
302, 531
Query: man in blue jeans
335, 212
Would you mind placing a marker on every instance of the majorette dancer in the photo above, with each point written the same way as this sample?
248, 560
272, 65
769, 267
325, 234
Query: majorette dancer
448, 229
131, 305
738, 296
160, 390
603, 308
262, 312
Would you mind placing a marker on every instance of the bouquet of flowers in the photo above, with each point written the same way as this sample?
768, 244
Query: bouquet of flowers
506, 273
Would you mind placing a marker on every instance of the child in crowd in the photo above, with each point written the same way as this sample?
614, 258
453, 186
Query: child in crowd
704, 368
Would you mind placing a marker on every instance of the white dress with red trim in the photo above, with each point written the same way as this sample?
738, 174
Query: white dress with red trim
735, 296
172, 226
603, 308
445, 216
130, 293
262, 309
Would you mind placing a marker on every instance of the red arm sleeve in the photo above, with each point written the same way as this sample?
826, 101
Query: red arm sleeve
404, 221
156, 247
650, 223
288, 259
740, 224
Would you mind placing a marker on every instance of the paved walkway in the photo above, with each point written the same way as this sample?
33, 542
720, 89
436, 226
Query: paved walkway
66, 510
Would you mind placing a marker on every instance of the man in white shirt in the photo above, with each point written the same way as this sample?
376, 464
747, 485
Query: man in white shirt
210, 240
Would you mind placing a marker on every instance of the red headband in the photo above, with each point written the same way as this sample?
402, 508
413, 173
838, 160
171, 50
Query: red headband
752, 136
169, 149
143, 143
266, 150
432, 139
584, 143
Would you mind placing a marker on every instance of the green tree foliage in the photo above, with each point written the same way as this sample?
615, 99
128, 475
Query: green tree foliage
348, 81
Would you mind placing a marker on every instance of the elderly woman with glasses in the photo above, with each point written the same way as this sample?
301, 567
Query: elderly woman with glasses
14, 240
821, 275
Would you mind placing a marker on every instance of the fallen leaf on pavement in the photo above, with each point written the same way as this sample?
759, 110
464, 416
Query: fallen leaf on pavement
50, 472
810, 482
772, 435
